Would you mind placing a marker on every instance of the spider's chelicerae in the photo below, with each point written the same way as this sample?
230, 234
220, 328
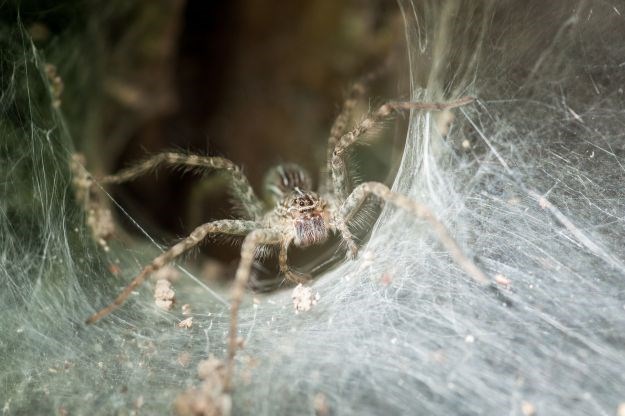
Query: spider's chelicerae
299, 215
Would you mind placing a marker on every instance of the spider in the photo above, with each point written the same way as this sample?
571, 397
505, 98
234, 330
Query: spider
298, 216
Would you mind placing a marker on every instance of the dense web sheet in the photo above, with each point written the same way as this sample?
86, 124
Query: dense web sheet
528, 179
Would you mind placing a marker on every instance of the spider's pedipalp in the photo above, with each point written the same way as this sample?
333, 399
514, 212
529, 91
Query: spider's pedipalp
240, 185
230, 227
285, 269
337, 156
357, 197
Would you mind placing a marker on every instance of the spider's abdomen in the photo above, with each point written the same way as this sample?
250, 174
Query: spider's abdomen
282, 180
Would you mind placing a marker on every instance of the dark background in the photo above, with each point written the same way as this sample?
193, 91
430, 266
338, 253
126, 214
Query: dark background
258, 82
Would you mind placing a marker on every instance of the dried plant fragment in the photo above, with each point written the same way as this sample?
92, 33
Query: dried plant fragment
503, 281
99, 217
209, 399
56, 85
100, 221
184, 359
528, 409
186, 323
164, 295
320, 404
186, 309
304, 298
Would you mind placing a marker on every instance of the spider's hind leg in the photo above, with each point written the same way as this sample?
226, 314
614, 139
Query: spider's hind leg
420, 211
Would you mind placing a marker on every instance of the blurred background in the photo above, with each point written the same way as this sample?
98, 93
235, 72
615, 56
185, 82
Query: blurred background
258, 82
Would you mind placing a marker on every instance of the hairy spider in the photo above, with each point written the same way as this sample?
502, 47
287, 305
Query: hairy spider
299, 216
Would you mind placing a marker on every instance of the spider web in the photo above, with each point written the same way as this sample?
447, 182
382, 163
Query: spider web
528, 179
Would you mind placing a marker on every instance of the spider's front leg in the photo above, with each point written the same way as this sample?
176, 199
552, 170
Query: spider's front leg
230, 227
420, 211
337, 163
240, 185
248, 249
340, 222
358, 90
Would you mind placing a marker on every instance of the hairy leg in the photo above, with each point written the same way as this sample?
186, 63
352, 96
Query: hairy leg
339, 126
241, 186
356, 93
250, 244
341, 225
357, 197
337, 157
231, 227
285, 269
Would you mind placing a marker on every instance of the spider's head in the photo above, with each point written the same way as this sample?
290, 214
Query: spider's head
308, 212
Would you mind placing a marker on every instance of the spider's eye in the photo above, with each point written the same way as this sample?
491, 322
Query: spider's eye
301, 203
